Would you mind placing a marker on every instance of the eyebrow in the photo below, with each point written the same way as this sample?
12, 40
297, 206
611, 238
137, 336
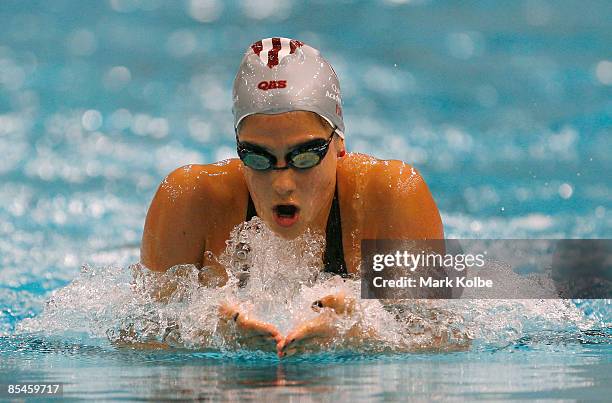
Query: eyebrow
254, 146
292, 148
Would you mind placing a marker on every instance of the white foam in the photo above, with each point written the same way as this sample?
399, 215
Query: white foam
284, 279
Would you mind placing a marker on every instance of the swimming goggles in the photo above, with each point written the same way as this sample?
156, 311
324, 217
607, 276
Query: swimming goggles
305, 156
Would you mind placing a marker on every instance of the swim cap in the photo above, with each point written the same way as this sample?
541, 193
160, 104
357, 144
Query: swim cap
279, 75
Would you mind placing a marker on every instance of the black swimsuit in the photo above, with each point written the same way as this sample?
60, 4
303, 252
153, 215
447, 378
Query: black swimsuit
334, 253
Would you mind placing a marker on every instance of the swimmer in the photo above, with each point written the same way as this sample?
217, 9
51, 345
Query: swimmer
294, 173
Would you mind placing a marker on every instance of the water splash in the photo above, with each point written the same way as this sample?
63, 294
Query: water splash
277, 281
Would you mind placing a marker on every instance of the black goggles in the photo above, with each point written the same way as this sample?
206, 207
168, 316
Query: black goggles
304, 156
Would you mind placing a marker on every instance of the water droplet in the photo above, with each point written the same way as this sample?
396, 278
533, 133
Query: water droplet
116, 78
566, 191
205, 10
603, 72
91, 120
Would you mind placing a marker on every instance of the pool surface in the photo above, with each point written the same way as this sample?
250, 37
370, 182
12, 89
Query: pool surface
505, 108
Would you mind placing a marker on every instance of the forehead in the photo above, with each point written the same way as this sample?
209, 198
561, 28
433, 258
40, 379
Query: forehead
283, 129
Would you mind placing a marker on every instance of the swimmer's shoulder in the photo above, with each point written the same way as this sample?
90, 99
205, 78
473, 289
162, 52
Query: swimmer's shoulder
193, 203
206, 181
354, 172
214, 196
394, 196
369, 174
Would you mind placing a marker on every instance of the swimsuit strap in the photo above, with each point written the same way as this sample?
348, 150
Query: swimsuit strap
334, 252
251, 212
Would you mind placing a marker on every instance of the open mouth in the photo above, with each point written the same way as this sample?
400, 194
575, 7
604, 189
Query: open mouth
286, 214
285, 210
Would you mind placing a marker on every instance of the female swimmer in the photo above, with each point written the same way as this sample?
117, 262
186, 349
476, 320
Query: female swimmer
293, 172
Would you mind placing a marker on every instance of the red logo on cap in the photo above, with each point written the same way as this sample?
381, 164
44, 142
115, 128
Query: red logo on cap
268, 49
272, 84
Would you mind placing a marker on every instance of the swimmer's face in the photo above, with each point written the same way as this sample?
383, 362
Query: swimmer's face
291, 200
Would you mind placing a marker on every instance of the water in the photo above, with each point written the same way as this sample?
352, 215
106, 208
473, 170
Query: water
504, 109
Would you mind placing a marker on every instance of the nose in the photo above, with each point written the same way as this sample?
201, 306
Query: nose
283, 182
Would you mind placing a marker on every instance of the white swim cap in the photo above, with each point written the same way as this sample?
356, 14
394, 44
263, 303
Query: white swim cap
279, 75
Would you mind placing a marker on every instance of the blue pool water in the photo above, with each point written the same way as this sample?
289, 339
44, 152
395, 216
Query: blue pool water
504, 107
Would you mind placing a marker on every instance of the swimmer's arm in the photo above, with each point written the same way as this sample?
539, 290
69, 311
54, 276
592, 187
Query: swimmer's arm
323, 330
235, 326
405, 207
175, 226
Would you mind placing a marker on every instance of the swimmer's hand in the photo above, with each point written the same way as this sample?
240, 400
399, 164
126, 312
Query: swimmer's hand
309, 335
321, 331
241, 331
339, 303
